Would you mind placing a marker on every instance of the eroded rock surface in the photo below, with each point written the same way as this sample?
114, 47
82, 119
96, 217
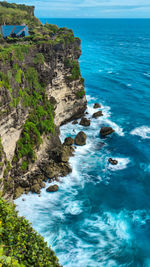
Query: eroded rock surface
85, 122
69, 141
64, 92
112, 161
106, 131
97, 114
80, 139
96, 105
52, 188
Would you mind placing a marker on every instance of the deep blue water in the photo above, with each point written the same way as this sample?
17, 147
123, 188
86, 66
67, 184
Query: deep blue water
101, 214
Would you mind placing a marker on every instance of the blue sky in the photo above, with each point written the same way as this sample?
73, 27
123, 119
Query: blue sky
90, 8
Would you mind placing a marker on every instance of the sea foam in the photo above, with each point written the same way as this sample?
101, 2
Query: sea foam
122, 164
143, 131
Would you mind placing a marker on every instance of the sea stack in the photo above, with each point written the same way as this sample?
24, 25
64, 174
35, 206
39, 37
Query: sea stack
106, 131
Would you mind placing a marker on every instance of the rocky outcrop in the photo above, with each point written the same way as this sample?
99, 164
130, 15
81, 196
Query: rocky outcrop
85, 122
75, 122
69, 141
97, 114
52, 163
112, 161
52, 188
96, 105
80, 139
106, 131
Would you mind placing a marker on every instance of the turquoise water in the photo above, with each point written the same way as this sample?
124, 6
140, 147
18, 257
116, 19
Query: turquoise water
101, 214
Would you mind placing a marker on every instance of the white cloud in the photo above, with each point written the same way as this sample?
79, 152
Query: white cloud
96, 8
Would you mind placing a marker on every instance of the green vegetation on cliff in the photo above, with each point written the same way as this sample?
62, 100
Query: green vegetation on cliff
75, 69
20, 245
17, 14
80, 94
13, 14
40, 120
22, 84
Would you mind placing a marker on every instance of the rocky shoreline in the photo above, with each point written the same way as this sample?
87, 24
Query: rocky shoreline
56, 161
61, 154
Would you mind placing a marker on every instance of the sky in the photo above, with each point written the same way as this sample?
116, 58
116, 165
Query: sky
89, 8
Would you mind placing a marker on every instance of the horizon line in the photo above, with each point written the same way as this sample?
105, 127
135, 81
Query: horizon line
84, 18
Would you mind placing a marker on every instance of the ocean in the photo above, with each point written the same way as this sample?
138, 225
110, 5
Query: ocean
101, 214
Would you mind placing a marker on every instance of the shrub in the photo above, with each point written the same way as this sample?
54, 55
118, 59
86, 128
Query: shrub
40, 118
20, 245
39, 59
75, 68
18, 76
80, 94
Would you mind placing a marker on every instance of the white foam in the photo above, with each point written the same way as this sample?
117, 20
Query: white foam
110, 72
120, 224
147, 75
49, 212
74, 208
122, 164
105, 118
143, 131
89, 98
116, 127
111, 224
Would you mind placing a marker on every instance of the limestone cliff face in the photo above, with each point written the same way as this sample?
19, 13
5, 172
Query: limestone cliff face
68, 104
64, 89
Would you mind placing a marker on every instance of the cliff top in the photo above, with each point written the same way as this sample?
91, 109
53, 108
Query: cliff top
21, 14
17, 14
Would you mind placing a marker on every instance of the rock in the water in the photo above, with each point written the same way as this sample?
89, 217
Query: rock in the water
113, 161
106, 131
75, 122
52, 188
68, 141
80, 139
85, 122
96, 105
97, 114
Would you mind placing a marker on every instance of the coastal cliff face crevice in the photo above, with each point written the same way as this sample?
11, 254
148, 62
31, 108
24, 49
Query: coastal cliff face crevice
64, 91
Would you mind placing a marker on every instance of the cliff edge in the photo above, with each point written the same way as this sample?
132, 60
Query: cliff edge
41, 88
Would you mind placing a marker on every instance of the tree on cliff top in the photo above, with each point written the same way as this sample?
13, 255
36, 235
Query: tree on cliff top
18, 14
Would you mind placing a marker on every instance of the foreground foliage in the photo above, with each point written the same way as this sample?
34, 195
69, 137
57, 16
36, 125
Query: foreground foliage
20, 245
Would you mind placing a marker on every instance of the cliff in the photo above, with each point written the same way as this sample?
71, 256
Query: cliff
41, 88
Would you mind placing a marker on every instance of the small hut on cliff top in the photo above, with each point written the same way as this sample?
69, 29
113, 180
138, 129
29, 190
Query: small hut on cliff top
14, 31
